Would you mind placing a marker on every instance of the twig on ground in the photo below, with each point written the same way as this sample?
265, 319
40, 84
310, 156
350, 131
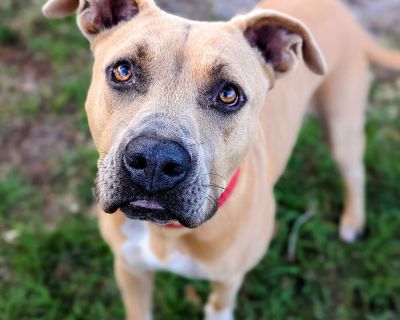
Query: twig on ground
291, 253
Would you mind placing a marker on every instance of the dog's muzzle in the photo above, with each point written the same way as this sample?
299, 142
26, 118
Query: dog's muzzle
157, 178
155, 167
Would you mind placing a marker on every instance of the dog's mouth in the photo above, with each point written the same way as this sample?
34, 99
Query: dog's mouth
147, 205
152, 211
187, 208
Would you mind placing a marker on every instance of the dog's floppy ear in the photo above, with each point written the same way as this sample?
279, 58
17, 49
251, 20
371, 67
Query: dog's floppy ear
280, 39
59, 8
95, 16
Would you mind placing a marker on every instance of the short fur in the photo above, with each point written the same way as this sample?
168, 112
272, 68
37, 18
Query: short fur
179, 61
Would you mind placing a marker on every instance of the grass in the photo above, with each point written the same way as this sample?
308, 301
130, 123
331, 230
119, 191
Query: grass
63, 270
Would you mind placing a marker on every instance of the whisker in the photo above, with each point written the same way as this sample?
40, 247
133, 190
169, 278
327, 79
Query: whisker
214, 186
197, 144
214, 174
214, 202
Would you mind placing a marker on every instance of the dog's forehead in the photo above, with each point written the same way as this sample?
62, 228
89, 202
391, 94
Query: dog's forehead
172, 42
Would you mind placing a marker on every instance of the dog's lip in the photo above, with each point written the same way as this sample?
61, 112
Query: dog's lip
147, 209
147, 204
152, 211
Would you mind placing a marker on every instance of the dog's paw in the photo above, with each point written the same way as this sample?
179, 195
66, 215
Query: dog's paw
212, 314
348, 234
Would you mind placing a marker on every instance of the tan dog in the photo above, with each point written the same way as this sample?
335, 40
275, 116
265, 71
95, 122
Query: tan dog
176, 106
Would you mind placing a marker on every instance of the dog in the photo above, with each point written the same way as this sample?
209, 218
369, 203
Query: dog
195, 121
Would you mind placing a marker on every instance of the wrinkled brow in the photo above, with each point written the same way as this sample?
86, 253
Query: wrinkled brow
141, 53
219, 70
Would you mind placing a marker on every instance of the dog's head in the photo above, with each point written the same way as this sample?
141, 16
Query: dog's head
174, 104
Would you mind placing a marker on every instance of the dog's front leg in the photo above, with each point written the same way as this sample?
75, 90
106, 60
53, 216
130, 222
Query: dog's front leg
221, 302
136, 290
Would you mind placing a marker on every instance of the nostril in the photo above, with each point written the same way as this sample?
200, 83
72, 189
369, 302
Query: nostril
156, 165
138, 163
172, 169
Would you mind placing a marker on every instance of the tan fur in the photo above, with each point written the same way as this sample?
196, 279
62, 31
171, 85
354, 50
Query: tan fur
259, 141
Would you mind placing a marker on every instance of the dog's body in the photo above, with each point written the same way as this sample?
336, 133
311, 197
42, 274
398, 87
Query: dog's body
225, 247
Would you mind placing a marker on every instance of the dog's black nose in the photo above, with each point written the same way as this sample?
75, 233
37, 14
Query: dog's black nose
156, 165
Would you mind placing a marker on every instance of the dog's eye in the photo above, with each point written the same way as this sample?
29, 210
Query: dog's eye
122, 72
228, 95
225, 96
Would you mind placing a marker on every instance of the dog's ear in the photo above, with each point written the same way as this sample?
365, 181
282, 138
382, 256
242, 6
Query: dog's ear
281, 40
95, 16
57, 9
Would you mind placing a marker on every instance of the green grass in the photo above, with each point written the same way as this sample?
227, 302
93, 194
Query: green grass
63, 269
67, 273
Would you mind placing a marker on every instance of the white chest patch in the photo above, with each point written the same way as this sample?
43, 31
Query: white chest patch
137, 252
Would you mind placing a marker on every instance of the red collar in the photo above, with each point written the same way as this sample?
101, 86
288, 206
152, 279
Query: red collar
222, 199
229, 188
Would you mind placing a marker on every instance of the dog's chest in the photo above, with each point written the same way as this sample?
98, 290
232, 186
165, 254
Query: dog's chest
139, 256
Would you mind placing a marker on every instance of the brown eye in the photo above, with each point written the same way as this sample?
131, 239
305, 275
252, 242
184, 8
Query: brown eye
228, 95
123, 72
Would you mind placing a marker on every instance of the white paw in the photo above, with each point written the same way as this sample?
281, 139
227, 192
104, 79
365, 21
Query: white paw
348, 234
212, 314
